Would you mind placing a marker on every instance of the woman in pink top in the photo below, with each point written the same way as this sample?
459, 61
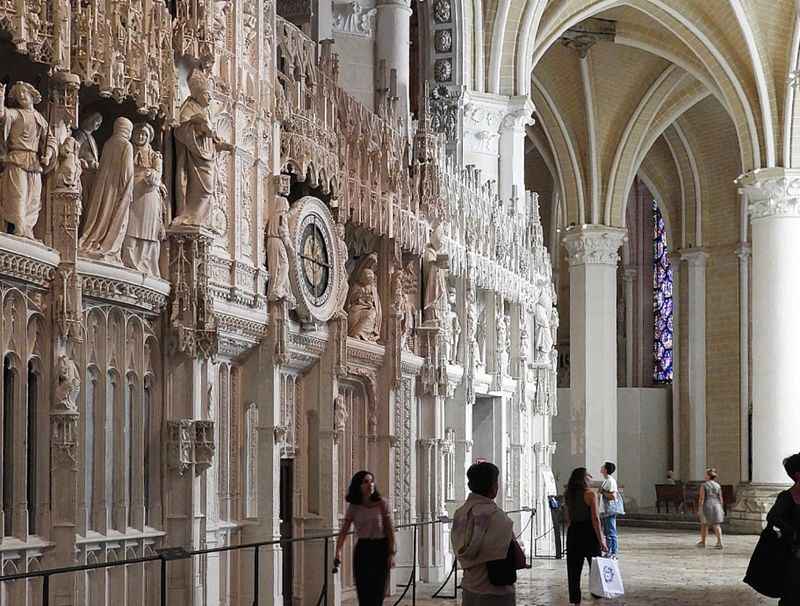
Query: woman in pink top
375, 546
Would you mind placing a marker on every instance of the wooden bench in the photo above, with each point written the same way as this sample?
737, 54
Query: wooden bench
669, 493
684, 496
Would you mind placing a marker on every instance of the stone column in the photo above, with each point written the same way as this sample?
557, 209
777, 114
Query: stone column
392, 40
629, 277
675, 259
593, 257
483, 114
696, 357
774, 205
512, 151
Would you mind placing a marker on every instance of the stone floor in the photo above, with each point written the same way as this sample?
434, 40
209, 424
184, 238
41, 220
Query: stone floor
659, 568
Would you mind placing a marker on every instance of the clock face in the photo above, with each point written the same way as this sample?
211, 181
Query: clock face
314, 261
315, 267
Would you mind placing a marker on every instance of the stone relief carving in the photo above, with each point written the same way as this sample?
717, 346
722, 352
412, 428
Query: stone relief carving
442, 11
30, 152
364, 302
443, 40
279, 244
197, 146
444, 105
344, 256
112, 195
404, 286
142, 245
354, 18
443, 70
88, 153
435, 265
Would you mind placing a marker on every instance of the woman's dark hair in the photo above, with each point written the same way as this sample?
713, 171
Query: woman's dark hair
610, 467
792, 465
576, 486
481, 477
354, 495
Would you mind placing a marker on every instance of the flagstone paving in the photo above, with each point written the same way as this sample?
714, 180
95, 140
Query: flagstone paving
659, 568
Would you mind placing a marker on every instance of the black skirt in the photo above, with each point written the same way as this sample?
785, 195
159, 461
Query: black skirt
582, 540
371, 570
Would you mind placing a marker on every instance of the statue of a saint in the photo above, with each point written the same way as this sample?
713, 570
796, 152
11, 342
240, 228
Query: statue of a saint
541, 318
364, 314
341, 246
68, 173
29, 152
112, 196
141, 249
435, 265
403, 285
68, 387
196, 148
453, 326
88, 153
279, 243
501, 345
554, 320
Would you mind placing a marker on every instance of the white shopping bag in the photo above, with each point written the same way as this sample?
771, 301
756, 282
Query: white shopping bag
605, 581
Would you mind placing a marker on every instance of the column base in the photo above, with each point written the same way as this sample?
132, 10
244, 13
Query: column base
753, 501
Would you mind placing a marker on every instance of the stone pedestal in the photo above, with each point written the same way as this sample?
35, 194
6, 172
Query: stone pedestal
512, 151
593, 257
753, 501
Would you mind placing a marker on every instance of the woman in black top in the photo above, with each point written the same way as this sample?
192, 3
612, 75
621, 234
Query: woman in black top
785, 515
585, 538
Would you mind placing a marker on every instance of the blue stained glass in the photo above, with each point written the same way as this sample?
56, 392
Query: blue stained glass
662, 301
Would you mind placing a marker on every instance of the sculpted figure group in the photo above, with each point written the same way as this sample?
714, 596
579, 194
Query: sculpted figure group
125, 209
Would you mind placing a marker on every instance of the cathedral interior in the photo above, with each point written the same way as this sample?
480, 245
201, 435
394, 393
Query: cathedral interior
395, 235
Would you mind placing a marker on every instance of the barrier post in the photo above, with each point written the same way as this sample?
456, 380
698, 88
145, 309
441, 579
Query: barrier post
46, 590
163, 581
255, 576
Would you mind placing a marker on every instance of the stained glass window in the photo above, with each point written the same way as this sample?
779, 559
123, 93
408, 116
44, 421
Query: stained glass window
662, 301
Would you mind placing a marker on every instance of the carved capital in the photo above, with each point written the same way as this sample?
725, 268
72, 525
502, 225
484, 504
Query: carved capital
771, 192
594, 244
519, 114
695, 257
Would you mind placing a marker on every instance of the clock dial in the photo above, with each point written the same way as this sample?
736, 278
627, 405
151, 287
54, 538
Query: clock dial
314, 260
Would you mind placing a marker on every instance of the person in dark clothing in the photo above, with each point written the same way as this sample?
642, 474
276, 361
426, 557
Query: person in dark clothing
785, 516
375, 546
585, 538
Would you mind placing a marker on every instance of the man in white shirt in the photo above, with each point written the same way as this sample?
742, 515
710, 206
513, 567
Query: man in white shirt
611, 502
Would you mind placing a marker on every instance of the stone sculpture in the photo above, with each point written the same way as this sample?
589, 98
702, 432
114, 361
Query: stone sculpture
364, 303
88, 153
541, 318
29, 152
196, 149
68, 173
112, 197
142, 246
435, 266
501, 345
480, 337
554, 320
68, 387
279, 243
453, 326
472, 328
403, 285
344, 255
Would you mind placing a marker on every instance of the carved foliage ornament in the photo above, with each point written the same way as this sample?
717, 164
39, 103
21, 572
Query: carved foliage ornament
591, 245
442, 11
774, 194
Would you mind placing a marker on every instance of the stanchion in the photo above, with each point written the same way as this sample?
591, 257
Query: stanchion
255, 577
453, 573
412, 581
46, 590
533, 528
163, 581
